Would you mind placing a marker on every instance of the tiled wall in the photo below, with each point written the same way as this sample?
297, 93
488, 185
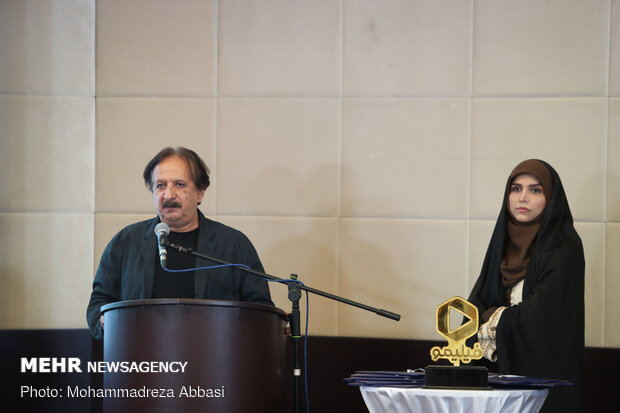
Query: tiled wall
363, 144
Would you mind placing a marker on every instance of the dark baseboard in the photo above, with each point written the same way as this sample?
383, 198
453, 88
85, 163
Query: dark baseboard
17, 344
330, 359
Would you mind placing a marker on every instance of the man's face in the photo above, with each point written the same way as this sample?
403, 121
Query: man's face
175, 194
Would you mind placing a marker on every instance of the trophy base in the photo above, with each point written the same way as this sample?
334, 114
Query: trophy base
457, 377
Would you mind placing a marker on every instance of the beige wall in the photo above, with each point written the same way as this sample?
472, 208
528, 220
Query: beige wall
363, 144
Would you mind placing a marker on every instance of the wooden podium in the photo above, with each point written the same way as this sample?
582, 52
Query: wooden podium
235, 354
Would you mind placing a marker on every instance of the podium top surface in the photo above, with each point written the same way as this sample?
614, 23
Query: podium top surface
191, 301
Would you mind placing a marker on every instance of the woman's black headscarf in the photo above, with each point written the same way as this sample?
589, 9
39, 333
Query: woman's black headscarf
543, 336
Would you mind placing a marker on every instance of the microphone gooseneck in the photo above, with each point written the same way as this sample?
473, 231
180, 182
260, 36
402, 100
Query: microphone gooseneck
162, 230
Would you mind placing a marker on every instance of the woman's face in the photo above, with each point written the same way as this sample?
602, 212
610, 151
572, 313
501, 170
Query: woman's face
526, 200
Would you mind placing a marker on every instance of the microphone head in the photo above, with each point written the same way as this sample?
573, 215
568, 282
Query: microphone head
162, 228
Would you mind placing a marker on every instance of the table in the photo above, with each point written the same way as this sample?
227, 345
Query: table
401, 400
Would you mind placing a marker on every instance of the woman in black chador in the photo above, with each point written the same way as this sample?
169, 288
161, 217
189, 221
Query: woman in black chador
530, 292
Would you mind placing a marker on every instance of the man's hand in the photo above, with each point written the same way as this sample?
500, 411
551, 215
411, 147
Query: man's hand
101, 319
287, 328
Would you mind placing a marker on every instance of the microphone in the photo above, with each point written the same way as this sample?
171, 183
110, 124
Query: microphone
162, 230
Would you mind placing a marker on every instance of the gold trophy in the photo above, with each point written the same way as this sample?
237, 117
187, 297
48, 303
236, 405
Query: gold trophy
457, 352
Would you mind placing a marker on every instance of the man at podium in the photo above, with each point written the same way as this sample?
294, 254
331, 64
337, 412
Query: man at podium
130, 266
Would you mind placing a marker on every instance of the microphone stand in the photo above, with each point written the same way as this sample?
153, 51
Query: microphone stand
294, 294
